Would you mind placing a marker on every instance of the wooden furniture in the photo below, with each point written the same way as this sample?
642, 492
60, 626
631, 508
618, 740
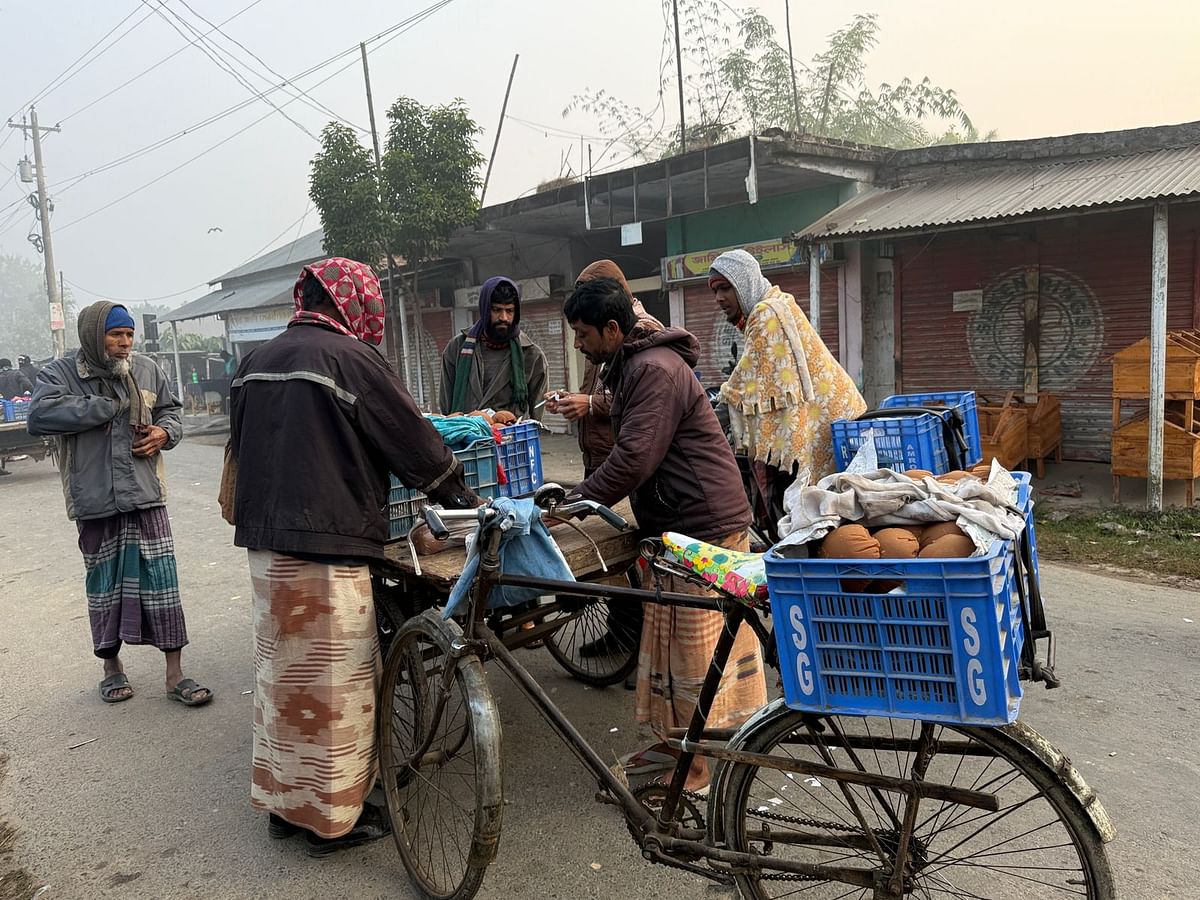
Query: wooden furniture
1004, 432
1043, 419
1181, 432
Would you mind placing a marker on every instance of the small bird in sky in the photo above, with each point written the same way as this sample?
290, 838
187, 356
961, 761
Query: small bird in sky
215, 228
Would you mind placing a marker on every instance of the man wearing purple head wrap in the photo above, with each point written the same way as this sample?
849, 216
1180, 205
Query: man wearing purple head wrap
493, 364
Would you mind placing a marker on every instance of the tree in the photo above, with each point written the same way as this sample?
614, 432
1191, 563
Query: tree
426, 188
738, 80
25, 311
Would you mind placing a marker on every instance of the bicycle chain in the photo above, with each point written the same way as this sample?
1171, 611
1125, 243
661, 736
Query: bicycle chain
812, 823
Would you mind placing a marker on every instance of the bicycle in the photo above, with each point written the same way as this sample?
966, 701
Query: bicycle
808, 803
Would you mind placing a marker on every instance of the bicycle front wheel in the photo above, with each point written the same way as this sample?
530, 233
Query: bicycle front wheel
439, 753
1039, 844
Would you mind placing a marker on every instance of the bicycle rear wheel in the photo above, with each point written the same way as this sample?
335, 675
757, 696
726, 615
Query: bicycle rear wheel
1041, 842
445, 804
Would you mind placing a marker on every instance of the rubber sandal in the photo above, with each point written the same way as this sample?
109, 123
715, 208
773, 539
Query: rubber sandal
185, 693
110, 686
648, 761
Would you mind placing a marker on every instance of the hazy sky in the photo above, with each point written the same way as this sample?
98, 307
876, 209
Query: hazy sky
1024, 68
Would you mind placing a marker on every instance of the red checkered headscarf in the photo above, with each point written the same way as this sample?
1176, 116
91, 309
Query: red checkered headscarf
354, 289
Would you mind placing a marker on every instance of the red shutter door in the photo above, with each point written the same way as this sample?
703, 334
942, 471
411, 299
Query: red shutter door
1094, 282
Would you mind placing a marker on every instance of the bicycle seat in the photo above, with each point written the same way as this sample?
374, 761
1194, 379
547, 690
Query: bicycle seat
737, 573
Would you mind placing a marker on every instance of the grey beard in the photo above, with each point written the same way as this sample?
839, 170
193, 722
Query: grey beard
118, 367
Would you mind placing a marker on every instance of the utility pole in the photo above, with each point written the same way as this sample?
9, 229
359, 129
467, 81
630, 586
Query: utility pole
679, 77
499, 127
391, 261
787, 18
57, 316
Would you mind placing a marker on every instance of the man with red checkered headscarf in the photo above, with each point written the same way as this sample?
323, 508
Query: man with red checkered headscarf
318, 420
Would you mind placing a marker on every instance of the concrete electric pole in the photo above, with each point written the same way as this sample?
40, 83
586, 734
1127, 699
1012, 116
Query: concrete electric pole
57, 313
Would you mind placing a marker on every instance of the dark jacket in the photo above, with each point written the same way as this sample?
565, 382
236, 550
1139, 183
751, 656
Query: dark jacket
670, 456
101, 477
595, 429
317, 421
13, 383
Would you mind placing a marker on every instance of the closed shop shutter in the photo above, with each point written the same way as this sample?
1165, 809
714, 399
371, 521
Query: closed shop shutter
436, 330
1094, 279
544, 324
704, 319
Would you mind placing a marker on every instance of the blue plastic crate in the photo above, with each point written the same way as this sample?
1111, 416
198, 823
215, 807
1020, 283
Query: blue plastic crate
479, 468
945, 648
963, 401
16, 410
520, 453
902, 443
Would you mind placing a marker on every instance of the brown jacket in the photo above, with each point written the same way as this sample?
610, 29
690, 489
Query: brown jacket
595, 429
670, 456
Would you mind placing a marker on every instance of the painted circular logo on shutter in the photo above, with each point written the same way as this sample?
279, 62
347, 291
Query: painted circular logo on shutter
1072, 331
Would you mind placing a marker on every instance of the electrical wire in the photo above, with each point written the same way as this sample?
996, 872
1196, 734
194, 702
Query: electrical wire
150, 69
75, 68
105, 296
310, 100
221, 64
405, 24
394, 33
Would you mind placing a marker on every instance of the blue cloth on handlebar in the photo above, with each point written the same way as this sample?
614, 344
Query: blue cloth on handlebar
526, 548
461, 431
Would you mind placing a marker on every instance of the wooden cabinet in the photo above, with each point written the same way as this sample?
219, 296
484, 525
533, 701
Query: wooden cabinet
1181, 432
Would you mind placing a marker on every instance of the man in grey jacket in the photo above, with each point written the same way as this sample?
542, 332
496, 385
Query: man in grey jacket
113, 414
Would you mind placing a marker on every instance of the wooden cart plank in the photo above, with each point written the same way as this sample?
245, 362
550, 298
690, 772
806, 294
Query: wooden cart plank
618, 549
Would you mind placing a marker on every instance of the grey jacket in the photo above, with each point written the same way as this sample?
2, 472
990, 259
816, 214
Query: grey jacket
101, 477
498, 395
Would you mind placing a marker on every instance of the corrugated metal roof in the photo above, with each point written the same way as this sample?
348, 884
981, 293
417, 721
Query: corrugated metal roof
273, 292
303, 250
1015, 191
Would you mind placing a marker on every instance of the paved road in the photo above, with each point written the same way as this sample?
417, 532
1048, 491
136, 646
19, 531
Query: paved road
157, 805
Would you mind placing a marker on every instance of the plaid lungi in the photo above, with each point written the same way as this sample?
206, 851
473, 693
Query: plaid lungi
316, 672
132, 585
677, 647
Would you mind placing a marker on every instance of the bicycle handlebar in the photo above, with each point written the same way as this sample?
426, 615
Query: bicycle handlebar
436, 518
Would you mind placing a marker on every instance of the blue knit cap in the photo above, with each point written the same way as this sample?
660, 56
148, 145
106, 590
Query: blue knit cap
119, 317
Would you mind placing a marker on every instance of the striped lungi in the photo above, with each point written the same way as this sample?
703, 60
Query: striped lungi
316, 672
132, 585
677, 647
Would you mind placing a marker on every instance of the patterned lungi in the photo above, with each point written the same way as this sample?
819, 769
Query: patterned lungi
316, 672
132, 586
677, 647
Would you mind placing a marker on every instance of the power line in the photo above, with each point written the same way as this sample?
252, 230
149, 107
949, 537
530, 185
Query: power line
150, 69
105, 296
400, 27
394, 32
75, 68
312, 101
224, 66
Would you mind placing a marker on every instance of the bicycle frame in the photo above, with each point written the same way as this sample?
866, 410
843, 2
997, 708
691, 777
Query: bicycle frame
660, 836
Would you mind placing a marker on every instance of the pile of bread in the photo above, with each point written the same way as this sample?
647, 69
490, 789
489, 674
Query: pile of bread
942, 540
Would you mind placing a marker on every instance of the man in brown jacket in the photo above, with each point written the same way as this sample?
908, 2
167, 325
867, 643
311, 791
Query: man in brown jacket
670, 457
589, 410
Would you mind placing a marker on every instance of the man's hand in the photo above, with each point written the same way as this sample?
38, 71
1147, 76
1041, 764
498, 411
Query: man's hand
150, 441
571, 406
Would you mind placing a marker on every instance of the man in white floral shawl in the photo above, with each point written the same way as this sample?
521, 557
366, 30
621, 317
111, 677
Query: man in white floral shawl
786, 389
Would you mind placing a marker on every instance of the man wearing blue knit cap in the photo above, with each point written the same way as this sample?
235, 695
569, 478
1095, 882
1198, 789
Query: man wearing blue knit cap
113, 413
